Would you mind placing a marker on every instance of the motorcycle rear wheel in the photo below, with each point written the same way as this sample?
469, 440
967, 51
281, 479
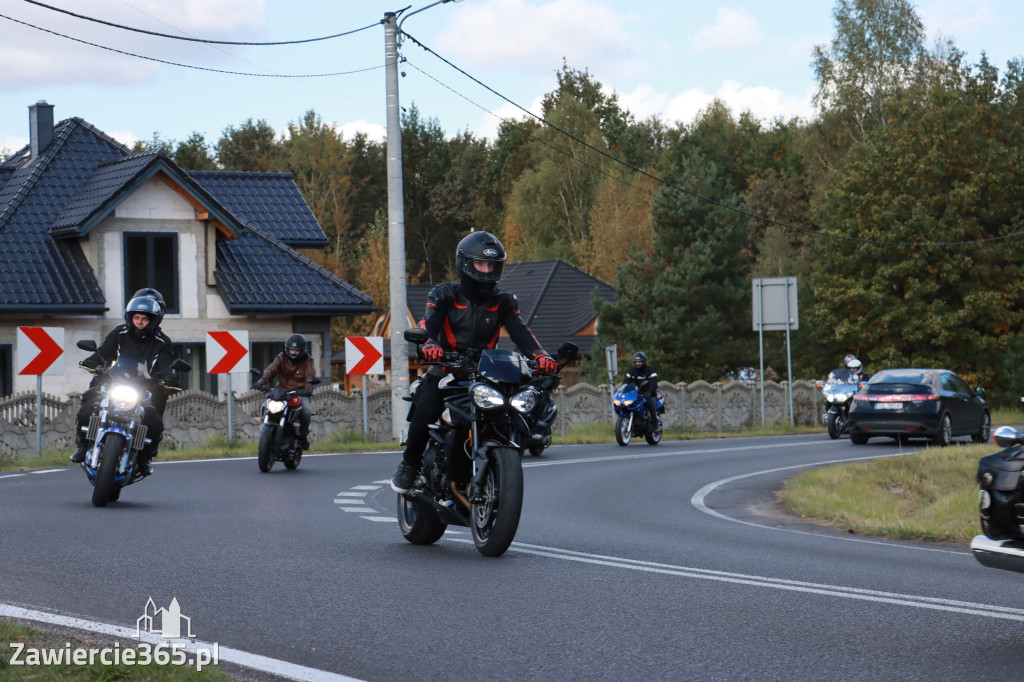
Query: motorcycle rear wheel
419, 525
113, 448
495, 521
623, 434
265, 457
653, 437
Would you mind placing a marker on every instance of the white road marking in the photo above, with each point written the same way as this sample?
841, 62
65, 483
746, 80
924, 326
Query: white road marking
934, 603
255, 661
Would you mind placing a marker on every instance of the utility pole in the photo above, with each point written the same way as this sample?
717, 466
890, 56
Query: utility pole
396, 232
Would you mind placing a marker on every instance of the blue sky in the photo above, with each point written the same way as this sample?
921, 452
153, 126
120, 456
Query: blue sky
667, 58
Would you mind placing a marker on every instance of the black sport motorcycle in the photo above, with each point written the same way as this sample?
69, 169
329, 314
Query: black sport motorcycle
1001, 504
838, 390
279, 435
535, 425
472, 475
116, 430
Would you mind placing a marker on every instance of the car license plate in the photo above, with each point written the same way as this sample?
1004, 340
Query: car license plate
888, 406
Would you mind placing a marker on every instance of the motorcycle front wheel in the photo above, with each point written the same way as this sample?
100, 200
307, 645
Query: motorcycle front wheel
113, 448
265, 456
833, 425
494, 521
292, 461
623, 434
419, 525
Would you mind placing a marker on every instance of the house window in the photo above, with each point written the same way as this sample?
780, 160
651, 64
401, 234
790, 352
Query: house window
197, 379
6, 369
151, 260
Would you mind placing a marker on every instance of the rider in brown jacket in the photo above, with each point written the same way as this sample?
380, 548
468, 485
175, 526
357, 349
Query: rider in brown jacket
293, 369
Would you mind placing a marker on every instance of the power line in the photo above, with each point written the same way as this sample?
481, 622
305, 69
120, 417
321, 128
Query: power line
190, 66
666, 183
196, 40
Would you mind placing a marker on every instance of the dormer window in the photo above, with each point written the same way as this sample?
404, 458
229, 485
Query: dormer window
151, 260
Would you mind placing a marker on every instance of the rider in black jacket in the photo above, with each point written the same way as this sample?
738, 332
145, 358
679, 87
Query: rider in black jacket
646, 380
140, 335
469, 313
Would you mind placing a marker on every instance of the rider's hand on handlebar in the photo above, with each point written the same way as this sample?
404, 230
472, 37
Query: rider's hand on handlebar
546, 364
432, 352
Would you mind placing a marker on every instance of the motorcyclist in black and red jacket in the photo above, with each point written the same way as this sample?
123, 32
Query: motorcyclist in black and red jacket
469, 313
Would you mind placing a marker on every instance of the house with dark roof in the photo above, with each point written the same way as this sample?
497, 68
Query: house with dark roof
85, 222
554, 301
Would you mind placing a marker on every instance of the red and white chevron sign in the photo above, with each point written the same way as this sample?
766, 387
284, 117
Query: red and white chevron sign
225, 352
364, 354
40, 350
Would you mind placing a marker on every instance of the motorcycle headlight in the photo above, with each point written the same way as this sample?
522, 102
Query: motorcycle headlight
843, 397
486, 397
524, 401
627, 403
124, 397
275, 406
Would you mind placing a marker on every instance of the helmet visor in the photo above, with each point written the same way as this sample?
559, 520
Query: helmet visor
484, 270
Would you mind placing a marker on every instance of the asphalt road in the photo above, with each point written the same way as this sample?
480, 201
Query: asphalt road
641, 563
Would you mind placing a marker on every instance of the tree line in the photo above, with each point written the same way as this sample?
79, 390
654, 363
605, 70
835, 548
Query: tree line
899, 207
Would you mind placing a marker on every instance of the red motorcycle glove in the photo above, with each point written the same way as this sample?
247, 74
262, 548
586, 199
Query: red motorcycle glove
432, 352
546, 364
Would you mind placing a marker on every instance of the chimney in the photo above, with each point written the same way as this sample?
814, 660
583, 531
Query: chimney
40, 125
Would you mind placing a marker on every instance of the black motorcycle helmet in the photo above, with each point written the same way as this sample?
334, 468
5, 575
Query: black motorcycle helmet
639, 360
148, 306
480, 262
296, 342
152, 293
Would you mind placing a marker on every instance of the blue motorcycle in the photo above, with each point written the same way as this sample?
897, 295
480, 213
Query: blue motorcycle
633, 420
116, 431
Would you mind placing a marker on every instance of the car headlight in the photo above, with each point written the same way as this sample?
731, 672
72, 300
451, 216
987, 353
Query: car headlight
486, 397
124, 397
524, 401
275, 406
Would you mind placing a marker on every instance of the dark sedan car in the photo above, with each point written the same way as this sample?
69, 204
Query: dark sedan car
919, 403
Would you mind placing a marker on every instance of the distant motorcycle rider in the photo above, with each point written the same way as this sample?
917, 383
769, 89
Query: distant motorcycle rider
646, 380
293, 369
855, 373
141, 336
469, 313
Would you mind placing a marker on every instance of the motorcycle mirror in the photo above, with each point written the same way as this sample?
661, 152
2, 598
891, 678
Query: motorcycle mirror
416, 335
1006, 436
255, 372
87, 344
568, 350
180, 365
819, 383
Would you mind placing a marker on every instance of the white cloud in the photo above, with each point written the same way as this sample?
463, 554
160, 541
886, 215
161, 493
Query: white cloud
512, 34
50, 47
10, 144
733, 29
125, 137
373, 131
506, 112
764, 103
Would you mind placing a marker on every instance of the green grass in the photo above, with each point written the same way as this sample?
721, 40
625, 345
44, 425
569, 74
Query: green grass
57, 639
930, 495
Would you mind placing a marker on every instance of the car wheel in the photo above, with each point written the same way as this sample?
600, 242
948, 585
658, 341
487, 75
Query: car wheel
858, 438
984, 430
944, 436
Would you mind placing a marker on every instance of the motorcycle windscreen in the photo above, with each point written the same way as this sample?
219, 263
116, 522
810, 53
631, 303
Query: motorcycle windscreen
504, 366
129, 366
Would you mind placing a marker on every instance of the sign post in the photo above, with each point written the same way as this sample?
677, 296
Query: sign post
40, 351
611, 358
775, 308
228, 352
365, 355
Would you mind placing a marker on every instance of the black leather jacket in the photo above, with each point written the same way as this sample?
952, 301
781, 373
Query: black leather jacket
456, 322
646, 379
153, 346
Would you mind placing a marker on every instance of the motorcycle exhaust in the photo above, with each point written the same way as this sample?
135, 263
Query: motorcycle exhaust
1007, 555
448, 515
